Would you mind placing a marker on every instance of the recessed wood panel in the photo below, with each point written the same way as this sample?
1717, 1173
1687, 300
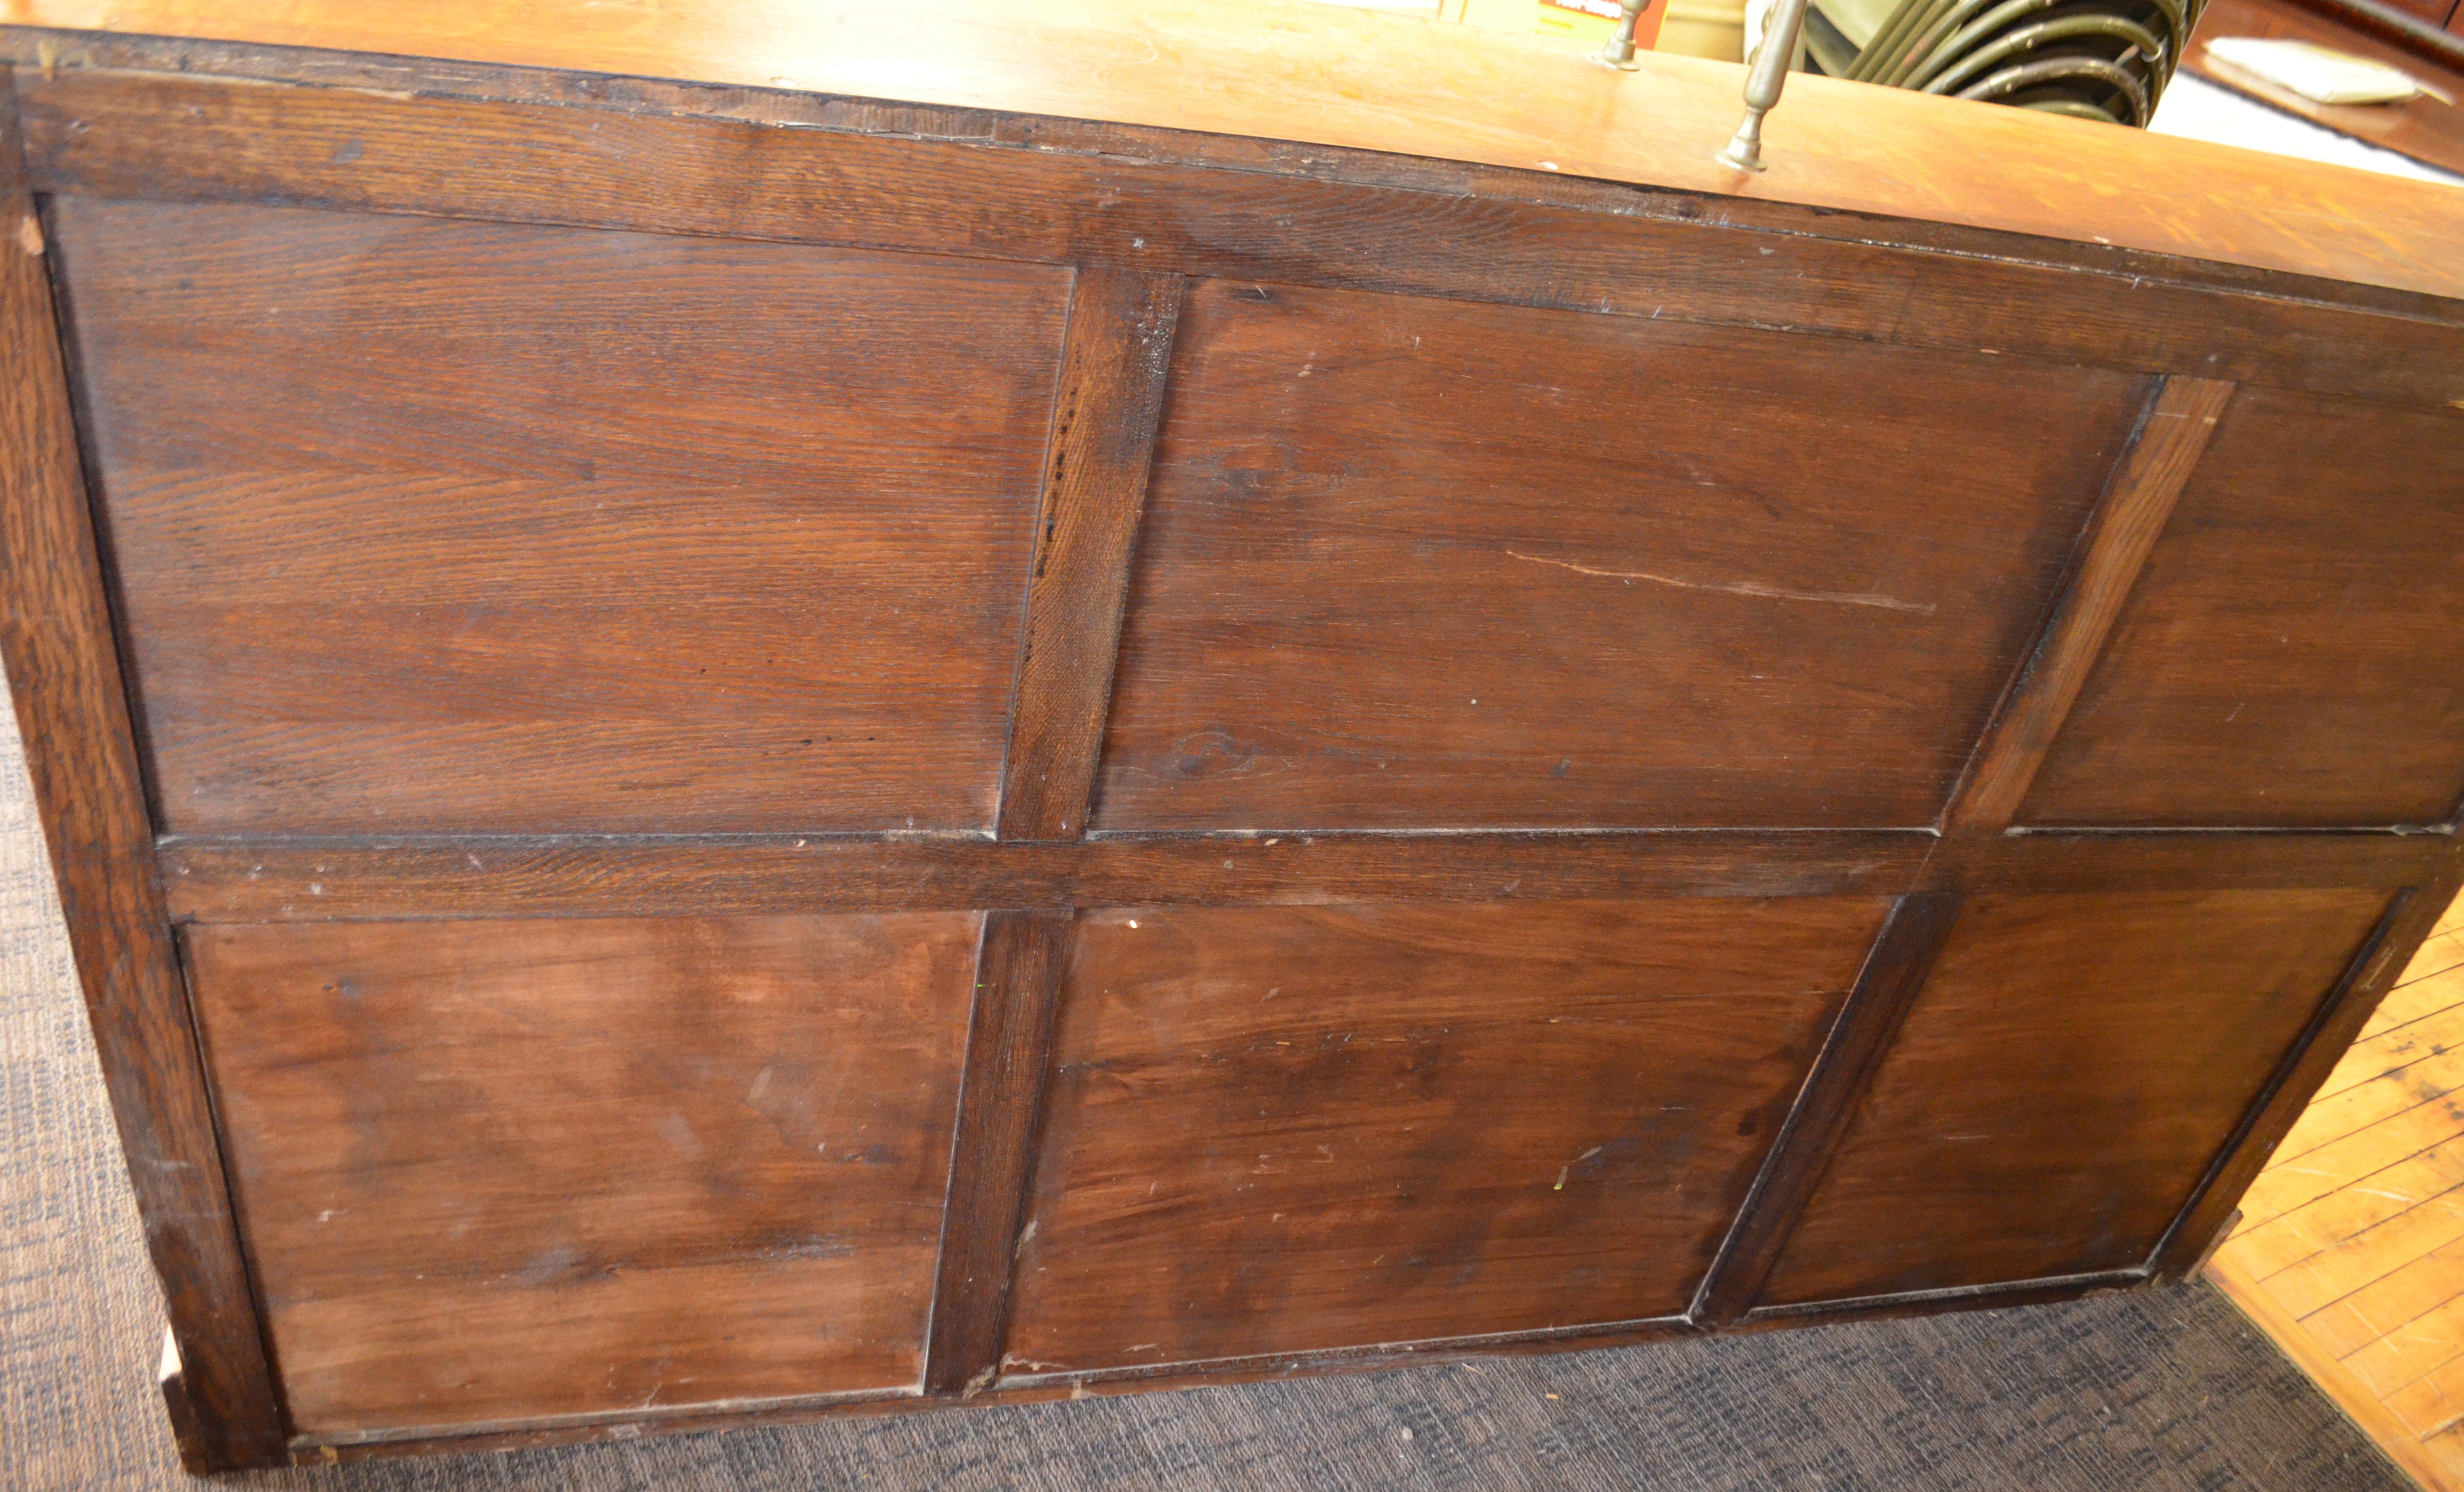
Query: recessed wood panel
2289, 657
1425, 563
1278, 1129
2065, 1079
495, 1171
435, 525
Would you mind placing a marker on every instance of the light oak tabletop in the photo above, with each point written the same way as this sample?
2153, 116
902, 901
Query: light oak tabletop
1323, 75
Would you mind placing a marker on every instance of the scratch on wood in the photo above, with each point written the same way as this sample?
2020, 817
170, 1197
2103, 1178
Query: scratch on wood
1744, 587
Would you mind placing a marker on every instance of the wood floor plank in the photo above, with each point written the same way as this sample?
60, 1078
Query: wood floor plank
2410, 1291
2453, 920
2391, 1050
2354, 1263
2373, 1199
2422, 1464
2388, 1097
2302, 1179
2445, 1450
2437, 953
2432, 1402
2351, 1254
2417, 998
2422, 1345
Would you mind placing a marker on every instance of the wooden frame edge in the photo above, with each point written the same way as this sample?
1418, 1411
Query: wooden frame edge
994, 1153
62, 657
1115, 354
1896, 968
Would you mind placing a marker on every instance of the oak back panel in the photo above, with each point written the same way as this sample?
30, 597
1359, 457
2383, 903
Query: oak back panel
2290, 656
428, 525
1417, 562
1277, 1128
497, 1171
2066, 1075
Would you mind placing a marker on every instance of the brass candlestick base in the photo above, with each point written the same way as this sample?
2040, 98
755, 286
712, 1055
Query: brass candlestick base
1745, 149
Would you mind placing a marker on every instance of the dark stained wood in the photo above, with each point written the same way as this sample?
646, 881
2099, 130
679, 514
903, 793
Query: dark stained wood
190, 1430
1094, 484
1017, 989
1868, 1024
621, 576
2387, 23
499, 1170
2181, 416
273, 879
277, 880
2208, 1217
2061, 1084
115, 135
1020, 1389
2272, 667
56, 637
2428, 128
1047, 1388
2104, 860
1411, 563
1934, 1303
1282, 1131
443, 526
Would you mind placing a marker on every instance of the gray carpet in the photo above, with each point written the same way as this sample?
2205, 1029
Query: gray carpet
2161, 1391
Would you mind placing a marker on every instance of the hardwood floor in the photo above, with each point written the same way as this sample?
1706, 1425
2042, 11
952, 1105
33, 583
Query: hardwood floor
2350, 1251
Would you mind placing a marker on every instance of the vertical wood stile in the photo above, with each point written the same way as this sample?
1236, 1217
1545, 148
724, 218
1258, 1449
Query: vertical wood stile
56, 636
1114, 365
2137, 503
2375, 968
1017, 989
1895, 971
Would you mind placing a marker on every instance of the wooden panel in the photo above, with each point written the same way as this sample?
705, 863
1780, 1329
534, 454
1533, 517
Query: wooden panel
2287, 658
1894, 974
1283, 1131
2180, 420
1329, 76
1423, 562
435, 526
64, 672
2065, 1079
497, 1171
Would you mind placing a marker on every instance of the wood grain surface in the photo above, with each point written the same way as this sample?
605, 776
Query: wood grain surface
1410, 563
1284, 1130
819, 753
1331, 77
2272, 665
2181, 418
1895, 972
507, 1170
1009, 1049
2062, 1083
1159, 202
432, 526
64, 672
1094, 486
